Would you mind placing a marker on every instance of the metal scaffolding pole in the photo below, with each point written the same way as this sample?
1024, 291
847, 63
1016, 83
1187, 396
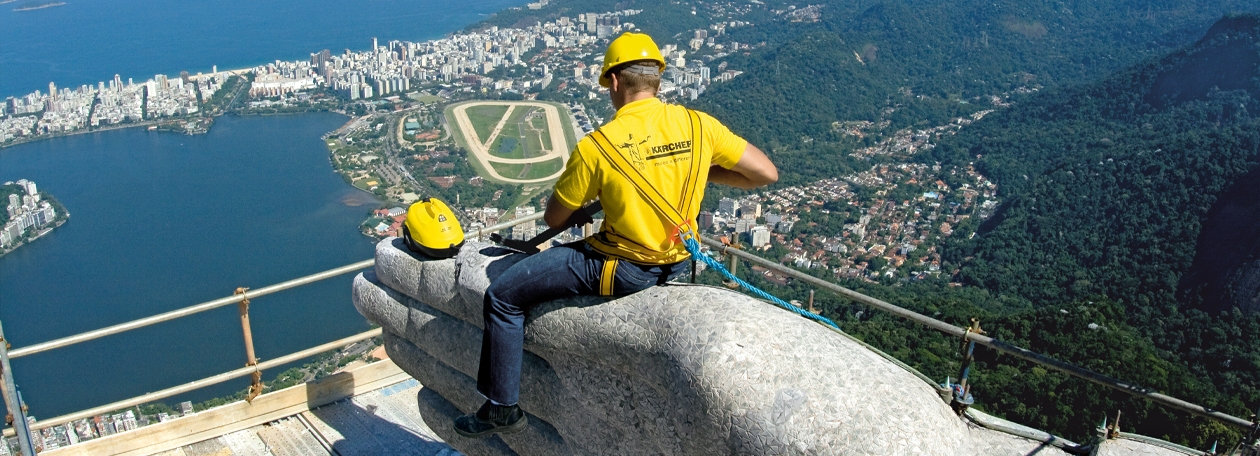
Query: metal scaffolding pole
14, 401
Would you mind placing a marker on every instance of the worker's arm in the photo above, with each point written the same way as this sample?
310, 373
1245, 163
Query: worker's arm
753, 170
556, 214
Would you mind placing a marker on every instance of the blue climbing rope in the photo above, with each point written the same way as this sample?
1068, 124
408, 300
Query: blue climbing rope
693, 247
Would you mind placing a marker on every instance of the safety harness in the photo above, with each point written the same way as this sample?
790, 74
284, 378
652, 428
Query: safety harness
682, 226
683, 230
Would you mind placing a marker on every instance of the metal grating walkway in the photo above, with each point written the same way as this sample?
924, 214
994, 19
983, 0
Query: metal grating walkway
384, 421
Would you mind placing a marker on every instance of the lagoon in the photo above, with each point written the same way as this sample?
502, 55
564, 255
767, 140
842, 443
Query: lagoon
161, 221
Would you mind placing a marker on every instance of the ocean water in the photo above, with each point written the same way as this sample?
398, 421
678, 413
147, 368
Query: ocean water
161, 220
86, 41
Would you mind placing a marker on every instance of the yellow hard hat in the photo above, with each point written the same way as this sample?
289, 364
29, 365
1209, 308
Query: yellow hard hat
431, 229
629, 47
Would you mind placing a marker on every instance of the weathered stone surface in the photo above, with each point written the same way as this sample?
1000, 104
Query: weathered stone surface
1130, 446
675, 369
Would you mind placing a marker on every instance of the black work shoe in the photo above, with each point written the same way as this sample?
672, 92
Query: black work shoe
490, 419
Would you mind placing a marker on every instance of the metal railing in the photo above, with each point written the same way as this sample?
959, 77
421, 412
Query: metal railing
969, 335
242, 297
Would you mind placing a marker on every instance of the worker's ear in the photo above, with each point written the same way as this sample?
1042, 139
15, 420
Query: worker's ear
615, 81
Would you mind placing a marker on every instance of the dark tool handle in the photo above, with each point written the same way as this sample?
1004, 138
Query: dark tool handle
580, 217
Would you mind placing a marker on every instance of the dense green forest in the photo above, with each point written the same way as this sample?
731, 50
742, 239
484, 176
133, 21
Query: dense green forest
945, 53
1109, 180
1109, 185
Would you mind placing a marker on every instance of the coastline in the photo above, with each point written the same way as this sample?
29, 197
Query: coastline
38, 234
155, 123
16, 142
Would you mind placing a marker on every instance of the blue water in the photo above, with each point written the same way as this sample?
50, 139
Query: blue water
162, 221
85, 41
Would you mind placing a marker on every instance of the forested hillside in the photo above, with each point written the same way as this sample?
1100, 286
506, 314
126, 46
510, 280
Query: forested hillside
943, 53
1111, 184
1111, 181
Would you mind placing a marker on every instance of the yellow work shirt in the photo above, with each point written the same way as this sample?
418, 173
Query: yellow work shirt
656, 138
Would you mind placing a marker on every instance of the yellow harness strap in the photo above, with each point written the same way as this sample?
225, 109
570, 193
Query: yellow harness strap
607, 276
645, 188
650, 193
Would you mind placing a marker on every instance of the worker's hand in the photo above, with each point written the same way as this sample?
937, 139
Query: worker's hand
667, 370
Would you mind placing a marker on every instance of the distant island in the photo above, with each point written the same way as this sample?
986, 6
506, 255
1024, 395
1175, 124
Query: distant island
29, 214
35, 6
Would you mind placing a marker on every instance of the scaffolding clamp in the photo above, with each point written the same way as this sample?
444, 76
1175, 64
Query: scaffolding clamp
962, 390
255, 385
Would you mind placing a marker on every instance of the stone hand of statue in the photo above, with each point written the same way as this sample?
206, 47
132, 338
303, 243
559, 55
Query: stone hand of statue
675, 369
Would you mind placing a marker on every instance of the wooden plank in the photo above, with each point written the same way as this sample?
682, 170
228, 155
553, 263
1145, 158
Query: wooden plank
237, 416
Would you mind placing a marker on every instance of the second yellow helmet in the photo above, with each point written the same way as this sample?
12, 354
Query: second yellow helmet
432, 229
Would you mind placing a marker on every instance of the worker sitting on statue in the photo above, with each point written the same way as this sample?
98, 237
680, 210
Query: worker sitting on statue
670, 150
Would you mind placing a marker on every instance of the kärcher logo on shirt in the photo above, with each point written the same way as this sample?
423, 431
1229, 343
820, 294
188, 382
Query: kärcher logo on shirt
666, 150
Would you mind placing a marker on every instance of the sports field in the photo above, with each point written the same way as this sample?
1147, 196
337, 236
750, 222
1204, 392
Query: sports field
530, 171
524, 135
484, 118
514, 142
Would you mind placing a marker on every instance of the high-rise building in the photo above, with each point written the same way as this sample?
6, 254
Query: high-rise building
375, 46
751, 207
760, 236
727, 206
705, 220
525, 230
52, 90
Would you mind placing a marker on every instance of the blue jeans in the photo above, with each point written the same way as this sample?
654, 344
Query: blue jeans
567, 270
